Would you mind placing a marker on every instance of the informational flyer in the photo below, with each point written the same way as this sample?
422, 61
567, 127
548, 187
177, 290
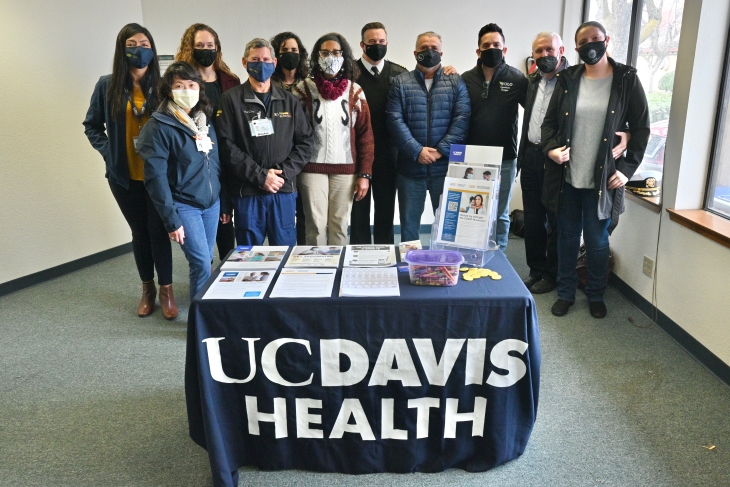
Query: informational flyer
254, 257
464, 219
404, 247
370, 256
475, 172
369, 281
314, 256
240, 285
304, 283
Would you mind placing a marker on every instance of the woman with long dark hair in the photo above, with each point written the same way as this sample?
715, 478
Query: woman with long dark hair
343, 152
182, 170
120, 106
200, 47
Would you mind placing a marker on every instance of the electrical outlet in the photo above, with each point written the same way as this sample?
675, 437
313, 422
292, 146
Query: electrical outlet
648, 267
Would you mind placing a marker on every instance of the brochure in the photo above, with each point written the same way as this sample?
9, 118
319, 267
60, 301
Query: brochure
255, 257
240, 285
304, 283
370, 256
317, 256
370, 281
404, 247
474, 172
465, 216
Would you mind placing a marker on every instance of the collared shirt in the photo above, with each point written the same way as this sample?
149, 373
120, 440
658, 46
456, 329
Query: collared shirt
542, 99
370, 65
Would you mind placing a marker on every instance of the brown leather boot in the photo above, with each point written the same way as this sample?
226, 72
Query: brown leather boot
167, 301
147, 304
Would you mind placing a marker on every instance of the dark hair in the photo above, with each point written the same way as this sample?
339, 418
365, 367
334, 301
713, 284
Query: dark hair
349, 66
187, 45
371, 25
590, 23
184, 71
487, 29
122, 80
302, 68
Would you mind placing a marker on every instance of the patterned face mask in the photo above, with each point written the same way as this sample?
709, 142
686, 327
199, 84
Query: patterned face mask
331, 65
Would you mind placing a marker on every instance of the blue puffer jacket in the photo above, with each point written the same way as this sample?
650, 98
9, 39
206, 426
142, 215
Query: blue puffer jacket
419, 118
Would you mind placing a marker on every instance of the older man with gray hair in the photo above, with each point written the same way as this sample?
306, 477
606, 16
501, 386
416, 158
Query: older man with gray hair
266, 140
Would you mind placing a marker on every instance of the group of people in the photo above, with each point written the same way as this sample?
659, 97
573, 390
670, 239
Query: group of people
294, 153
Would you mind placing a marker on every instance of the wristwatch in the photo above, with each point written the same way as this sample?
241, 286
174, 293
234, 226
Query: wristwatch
366, 176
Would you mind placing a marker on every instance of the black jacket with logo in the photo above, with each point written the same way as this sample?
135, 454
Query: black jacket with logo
247, 159
494, 118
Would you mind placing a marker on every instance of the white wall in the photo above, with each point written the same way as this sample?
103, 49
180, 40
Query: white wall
55, 205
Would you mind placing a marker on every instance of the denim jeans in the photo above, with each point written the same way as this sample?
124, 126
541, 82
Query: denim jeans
200, 227
412, 200
508, 175
578, 212
269, 215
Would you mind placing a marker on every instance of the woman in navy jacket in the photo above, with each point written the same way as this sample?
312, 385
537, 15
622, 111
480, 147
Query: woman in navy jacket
182, 170
120, 106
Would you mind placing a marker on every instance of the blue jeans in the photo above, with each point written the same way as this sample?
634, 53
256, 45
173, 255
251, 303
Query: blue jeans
578, 212
200, 227
412, 200
270, 215
507, 175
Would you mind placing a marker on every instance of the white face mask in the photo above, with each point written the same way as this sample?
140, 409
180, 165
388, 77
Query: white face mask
469, 176
186, 99
331, 65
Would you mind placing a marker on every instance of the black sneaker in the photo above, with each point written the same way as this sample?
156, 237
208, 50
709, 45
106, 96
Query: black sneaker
530, 281
561, 306
598, 309
542, 286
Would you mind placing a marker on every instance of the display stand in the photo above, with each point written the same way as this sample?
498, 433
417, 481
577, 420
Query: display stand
486, 163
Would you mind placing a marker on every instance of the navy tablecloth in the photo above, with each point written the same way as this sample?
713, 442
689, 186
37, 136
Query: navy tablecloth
439, 377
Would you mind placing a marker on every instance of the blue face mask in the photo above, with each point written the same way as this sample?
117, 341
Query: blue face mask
139, 57
260, 71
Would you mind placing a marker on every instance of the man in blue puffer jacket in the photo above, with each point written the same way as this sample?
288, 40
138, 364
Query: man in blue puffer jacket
427, 111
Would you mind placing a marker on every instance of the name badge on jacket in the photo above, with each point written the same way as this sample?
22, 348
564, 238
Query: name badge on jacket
204, 144
261, 127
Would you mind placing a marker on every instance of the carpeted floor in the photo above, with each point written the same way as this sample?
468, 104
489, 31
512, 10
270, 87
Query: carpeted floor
92, 395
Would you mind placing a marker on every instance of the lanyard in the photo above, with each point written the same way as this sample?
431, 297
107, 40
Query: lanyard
139, 114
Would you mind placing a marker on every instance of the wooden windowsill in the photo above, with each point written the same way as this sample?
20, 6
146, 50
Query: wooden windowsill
703, 222
654, 203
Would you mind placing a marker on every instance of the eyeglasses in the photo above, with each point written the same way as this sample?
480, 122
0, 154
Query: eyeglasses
485, 85
324, 53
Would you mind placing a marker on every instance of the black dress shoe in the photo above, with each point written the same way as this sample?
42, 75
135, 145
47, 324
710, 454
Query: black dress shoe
561, 306
542, 286
530, 281
598, 309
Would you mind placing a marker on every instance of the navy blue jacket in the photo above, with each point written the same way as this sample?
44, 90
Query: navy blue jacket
107, 135
419, 118
174, 169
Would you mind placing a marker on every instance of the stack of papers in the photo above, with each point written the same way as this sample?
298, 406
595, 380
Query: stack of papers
309, 256
370, 256
246, 257
304, 283
373, 281
240, 285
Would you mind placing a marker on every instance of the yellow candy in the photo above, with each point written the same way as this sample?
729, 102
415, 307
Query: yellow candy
464, 269
467, 278
497, 277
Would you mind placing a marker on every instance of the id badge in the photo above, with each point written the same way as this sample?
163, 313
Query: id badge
261, 127
204, 144
134, 141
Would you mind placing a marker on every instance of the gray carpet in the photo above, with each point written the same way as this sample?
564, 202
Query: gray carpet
91, 395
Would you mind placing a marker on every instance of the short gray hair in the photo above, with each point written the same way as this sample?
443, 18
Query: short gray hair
429, 33
548, 34
258, 43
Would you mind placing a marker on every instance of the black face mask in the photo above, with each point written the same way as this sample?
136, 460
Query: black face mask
428, 58
491, 58
592, 52
205, 57
289, 60
376, 52
547, 64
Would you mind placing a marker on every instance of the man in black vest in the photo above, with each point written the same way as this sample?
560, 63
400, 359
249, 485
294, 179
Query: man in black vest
376, 74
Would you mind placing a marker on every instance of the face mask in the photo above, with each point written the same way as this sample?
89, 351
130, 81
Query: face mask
592, 52
186, 99
428, 58
331, 65
289, 60
260, 71
491, 58
139, 57
469, 176
376, 52
205, 57
547, 64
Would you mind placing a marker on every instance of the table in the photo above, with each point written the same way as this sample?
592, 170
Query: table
439, 377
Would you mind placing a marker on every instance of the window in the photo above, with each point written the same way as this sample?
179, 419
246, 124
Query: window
645, 34
718, 184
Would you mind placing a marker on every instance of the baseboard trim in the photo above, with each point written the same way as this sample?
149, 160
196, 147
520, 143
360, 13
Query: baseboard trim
63, 269
694, 348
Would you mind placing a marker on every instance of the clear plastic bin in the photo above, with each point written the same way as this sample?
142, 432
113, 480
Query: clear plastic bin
434, 267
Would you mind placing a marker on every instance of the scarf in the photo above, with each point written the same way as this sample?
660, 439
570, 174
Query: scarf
330, 89
198, 123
